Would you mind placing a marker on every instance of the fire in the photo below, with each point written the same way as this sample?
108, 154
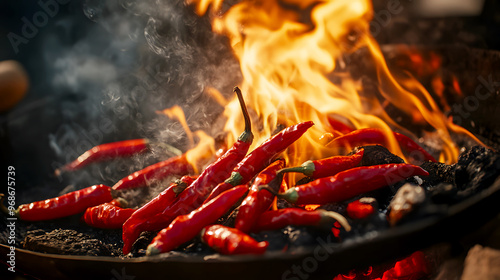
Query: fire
290, 53
176, 112
198, 154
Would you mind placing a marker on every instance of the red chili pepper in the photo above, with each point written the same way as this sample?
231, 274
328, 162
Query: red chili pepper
350, 183
186, 227
231, 241
262, 156
107, 216
257, 202
105, 152
367, 136
339, 127
173, 166
360, 209
198, 191
273, 220
328, 166
154, 206
118, 202
62, 206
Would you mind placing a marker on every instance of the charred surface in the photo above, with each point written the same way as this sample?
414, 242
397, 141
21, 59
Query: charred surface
65, 242
438, 173
477, 169
376, 154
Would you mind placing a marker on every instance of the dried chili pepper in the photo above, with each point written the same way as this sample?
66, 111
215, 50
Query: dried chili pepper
186, 227
276, 219
105, 152
350, 183
62, 206
197, 192
262, 156
153, 207
231, 241
257, 202
377, 136
177, 165
107, 216
327, 166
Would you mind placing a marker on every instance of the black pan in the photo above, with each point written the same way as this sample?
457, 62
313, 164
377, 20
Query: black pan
321, 262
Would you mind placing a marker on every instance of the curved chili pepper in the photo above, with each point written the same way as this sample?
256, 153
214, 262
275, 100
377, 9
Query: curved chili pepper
377, 136
197, 192
186, 227
106, 151
257, 202
153, 207
272, 220
328, 166
350, 183
231, 241
107, 216
262, 156
62, 206
339, 127
177, 165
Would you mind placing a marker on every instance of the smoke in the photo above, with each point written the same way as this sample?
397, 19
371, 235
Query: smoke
133, 59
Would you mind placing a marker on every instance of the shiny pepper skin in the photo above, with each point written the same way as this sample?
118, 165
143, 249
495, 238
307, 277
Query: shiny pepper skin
231, 241
258, 201
186, 227
351, 183
65, 205
107, 216
107, 151
367, 136
261, 157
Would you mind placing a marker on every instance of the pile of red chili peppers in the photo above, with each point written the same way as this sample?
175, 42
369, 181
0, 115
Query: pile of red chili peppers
191, 206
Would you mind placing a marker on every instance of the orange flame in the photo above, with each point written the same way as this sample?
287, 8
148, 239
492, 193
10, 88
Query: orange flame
176, 113
289, 51
198, 155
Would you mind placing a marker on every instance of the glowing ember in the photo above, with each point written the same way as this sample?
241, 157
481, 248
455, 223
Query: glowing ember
413, 267
289, 52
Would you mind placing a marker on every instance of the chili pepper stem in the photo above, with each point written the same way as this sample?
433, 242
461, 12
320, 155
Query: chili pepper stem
123, 202
268, 188
235, 179
181, 186
2, 206
247, 135
291, 195
152, 250
5, 210
327, 216
307, 168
